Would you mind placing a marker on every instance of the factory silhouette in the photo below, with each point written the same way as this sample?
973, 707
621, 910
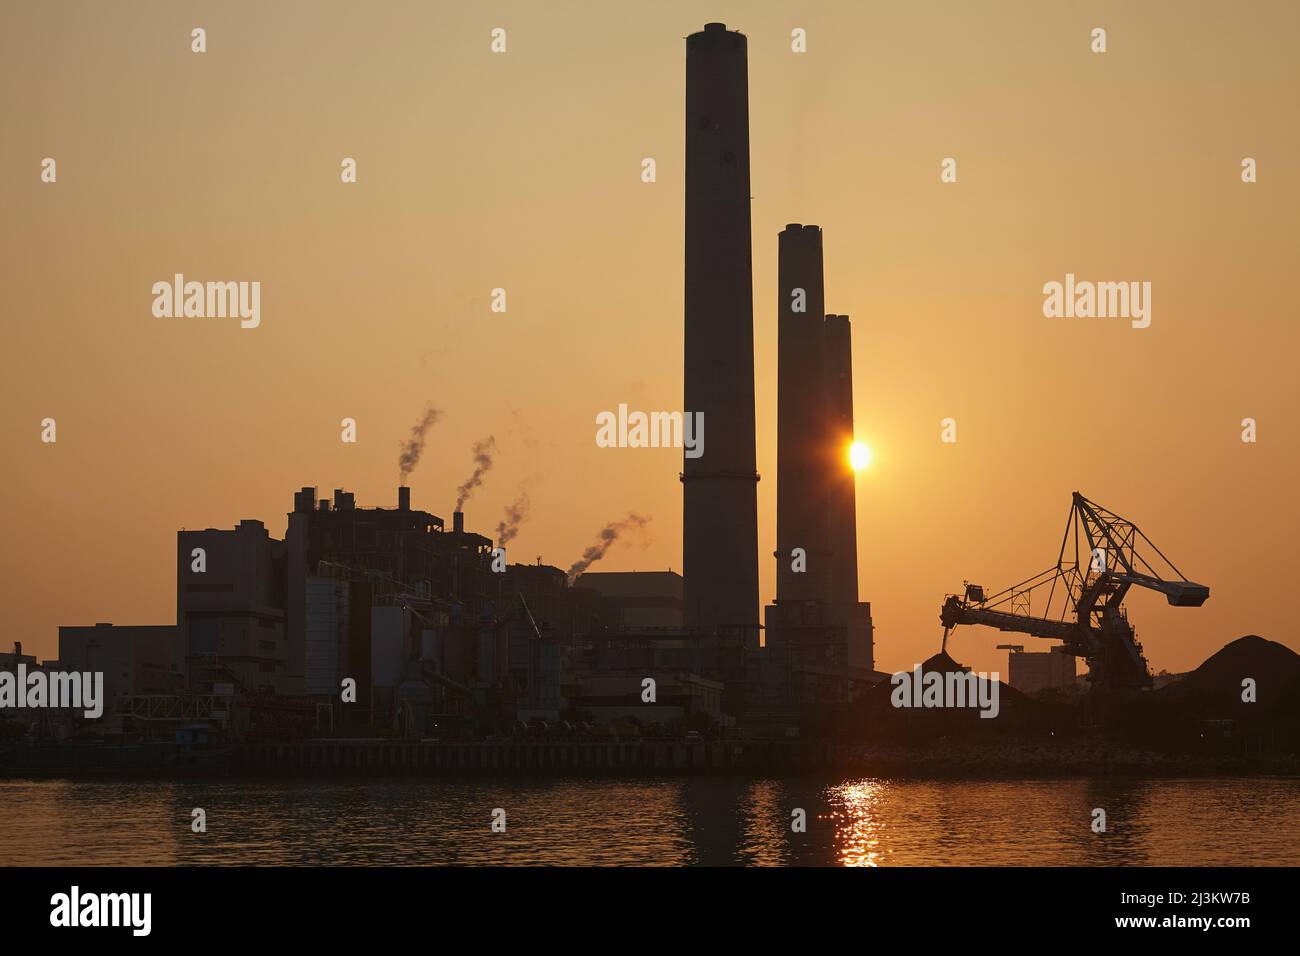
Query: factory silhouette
381, 621
384, 618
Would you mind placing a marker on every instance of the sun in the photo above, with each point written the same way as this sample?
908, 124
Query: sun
859, 456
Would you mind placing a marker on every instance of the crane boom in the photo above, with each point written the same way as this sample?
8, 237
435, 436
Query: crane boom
1102, 556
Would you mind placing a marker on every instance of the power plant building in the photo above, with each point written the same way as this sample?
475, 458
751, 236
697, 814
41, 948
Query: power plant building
230, 609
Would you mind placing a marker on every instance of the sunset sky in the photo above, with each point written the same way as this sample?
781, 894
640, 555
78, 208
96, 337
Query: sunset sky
522, 171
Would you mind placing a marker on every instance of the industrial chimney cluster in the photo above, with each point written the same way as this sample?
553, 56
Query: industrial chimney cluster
817, 627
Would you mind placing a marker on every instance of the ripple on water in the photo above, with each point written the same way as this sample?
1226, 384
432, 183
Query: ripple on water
665, 822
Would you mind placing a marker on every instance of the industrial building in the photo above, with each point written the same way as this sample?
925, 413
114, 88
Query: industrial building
9, 660
683, 700
395, 601
230, 609
1032, 671
134, 658
48, 722
430, 640
633, 600
564, 612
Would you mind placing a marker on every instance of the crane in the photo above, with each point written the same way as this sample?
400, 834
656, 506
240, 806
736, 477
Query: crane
1102, 556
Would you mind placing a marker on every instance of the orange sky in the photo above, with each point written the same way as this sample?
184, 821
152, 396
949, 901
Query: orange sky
522, 171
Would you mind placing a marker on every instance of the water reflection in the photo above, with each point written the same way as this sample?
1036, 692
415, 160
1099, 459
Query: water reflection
662, 822
859, 828
764, 807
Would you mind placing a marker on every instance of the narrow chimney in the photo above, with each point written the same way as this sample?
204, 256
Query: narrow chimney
403, 498
803, 460
841, 493
720, 489
458, 521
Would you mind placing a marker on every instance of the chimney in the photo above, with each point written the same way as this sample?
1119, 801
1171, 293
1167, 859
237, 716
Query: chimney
841, 494
458, 522
803, 461
18, 648
403, 498
719, 490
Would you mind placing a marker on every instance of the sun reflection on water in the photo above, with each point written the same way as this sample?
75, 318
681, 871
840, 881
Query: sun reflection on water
859, 827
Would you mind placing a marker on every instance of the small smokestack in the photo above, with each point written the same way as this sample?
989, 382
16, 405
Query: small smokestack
18, 648
458, 522
403, 498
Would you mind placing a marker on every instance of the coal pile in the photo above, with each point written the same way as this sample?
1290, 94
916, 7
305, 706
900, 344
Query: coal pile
876, 717
1206, 712
1214, 690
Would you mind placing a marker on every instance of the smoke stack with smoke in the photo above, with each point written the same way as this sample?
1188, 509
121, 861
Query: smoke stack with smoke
516, 514
607, 536
483, 451
413, 447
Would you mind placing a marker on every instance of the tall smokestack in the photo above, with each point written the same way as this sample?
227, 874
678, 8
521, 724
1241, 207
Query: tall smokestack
842, 498
403, 498
803, 459
458, 521
719, 490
